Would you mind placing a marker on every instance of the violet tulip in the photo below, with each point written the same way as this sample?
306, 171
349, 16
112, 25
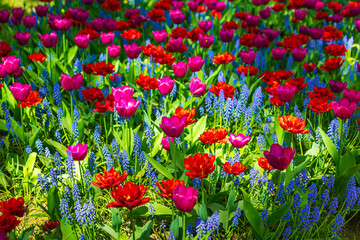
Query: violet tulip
180, 69
285, 93
226, 35
338, 86
107, 38
28, 21
41, 11
352, 95
175, 44
48, 40
185, 198
271, 34
124, 92
252, 20
344, 109
279, 157
131, 12
320, 5
3, 72
177, 16
109, 24
316, 33
88, 2
304, 30
220, 6
22, 38
165, 142
20, 91
97, 24
211, 4
299, 54
260, 41
205, 41
18, 13
256, 2
195, 63
79, 14
113, 50
126, 107
4, 16
72, 83
205, 25
18, 73
165, 85
78, 151
265, 13
354, 11
248, 56
337, 17
160, 36
11, 64
197, 88
63, 24
174, 126
238, 141
51, 21
193, 5
132, 51
82, 40
278, 53
177, 5
300, 14
310, 4
15, 21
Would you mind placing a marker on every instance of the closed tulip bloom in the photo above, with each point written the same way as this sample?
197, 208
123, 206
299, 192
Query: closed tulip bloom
185, 198
11, 64
195, 63
205, 25
300, 14
174, 126
256, 2
41, 11
18, 73
97, 24
22, 38
63, 24
125, 92
79, 14
211, 4
180, 69
271, 34
110, 179
132, 51
165, 85
197, 88
167, 188
278, 53
78, 152
226, 35
15, 21
177, 5
193, 5
299, 54
338, 86
357, 24
175, 44
279, 157
48, 40
82, 40
114, 50
20, 91
160, 36
18, 13
352, 95
177, 16
260, 41
165, 142
205, 41
3, 72
304, 30
238, 141
220, 6
344, 109
316, 33
107, 38
4, 16
310, 4
265, 13
88, 2
248, 56
252, 20
72, 83
337, 17
126, 108
131, 12
285, 93
29, 22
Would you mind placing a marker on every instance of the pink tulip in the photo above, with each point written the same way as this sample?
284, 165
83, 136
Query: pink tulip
19, 91
126, 108
78, 151
72, 83
165, 85
238, 141
174, 126
114, 50
197, 88
185, 198
124, 92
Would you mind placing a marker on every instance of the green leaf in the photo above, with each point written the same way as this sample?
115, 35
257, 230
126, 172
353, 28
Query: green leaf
276, 216
29, 166
71, 54
19, 131
144, 232
329, 146
299, 168
34, 137
231, 201
66, 231
177, 156
108, 230
25, 235
58, 146
174, 226
159, 167
199, 128
53, 202
157, 144
346, 161
116, 219
203, 212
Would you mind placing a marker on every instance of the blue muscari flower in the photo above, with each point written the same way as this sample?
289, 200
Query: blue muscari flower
65, 212
287, 217
171, 236
254, 177
196, 183
53, 177
271, 188
264, 216
58, 163
301, 179
70, 165
208, 104
287, 233
315, 215
87, 178
59, 115
151, 175
237, 215
115, 148
102, 57
149, 133
58, 135
289, 63
76, 114
325, 198
137, 145
57, 94
189, 231
290, 187
261, 143
274, 138
125, 161
108, 157
229, 108
221, 103
92, 163
350, 194
173, 92
213, 223
76, 193
257, 100
77, 66
40, 147
281, 196
82, 237
43, 182
162, 225
333, 206
312, 194
202, 111
304, 220
152, 210
75, 131
47, 152
200, 227
297, 202
28, 150
337, 227
97, 135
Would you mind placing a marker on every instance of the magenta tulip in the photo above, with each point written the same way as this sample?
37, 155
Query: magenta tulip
238, 141
4, 16
344, 109
22, 38
252, 20
278, 53
271, 34
177, 16
248, 56
185, 198
82, 40
174, 126
352, 95
107, 38
72, 83
265, 13
63, 24
160, 36
299, 54
79, 14
109, 24
197, 88
48, 40
195, 63
180, 69
124, 92
279, 157
338, 86
29, 22
78, 152
300, 14
175, 44
11, 64
3, 72
20, 91
97, 24
113, 50
18, 13
165, 85
285, 93
125, 107
260, 41
205, 25
165, 142
132, 51
316, 33
226, 35
41, 11
205, 41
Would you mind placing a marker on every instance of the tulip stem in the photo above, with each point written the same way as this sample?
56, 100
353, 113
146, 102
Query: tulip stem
340, 135
71, 105
183, 216
172, 210
132, 224
203, 190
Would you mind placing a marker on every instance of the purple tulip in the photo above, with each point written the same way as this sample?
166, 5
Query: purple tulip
205, 25
352, 95
79, 14
193, 5
304, 30
174, 126
72, 83
82, 40
197, 88
165, 85
126, 107
185, 198
260, 41
97, 24
226, 35
132, 51
344, 109
279, 157
160, 36
354, 11
124, 92
285, 93
3, 72
211, 4
248, 56
78, 151
265, 13
109, 24
265, 1
48, 40
11, 64
177, 16
175, 44
63, 24
337, 86
238, 141
252, 20
195, 63
28, 21
320, 5
165, 142
15, 21
316, 33
41, 11
51, 21
101, 1
271, 34
220, 6
22, 38
337, 17
131, 12
278, 53
113, 50
18, 73
19, 91
177, 5
18, 13
300, 14
4, 16
310, 4
107, 38
88, 2
180, 69
256, 2
299, 54
205, 41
